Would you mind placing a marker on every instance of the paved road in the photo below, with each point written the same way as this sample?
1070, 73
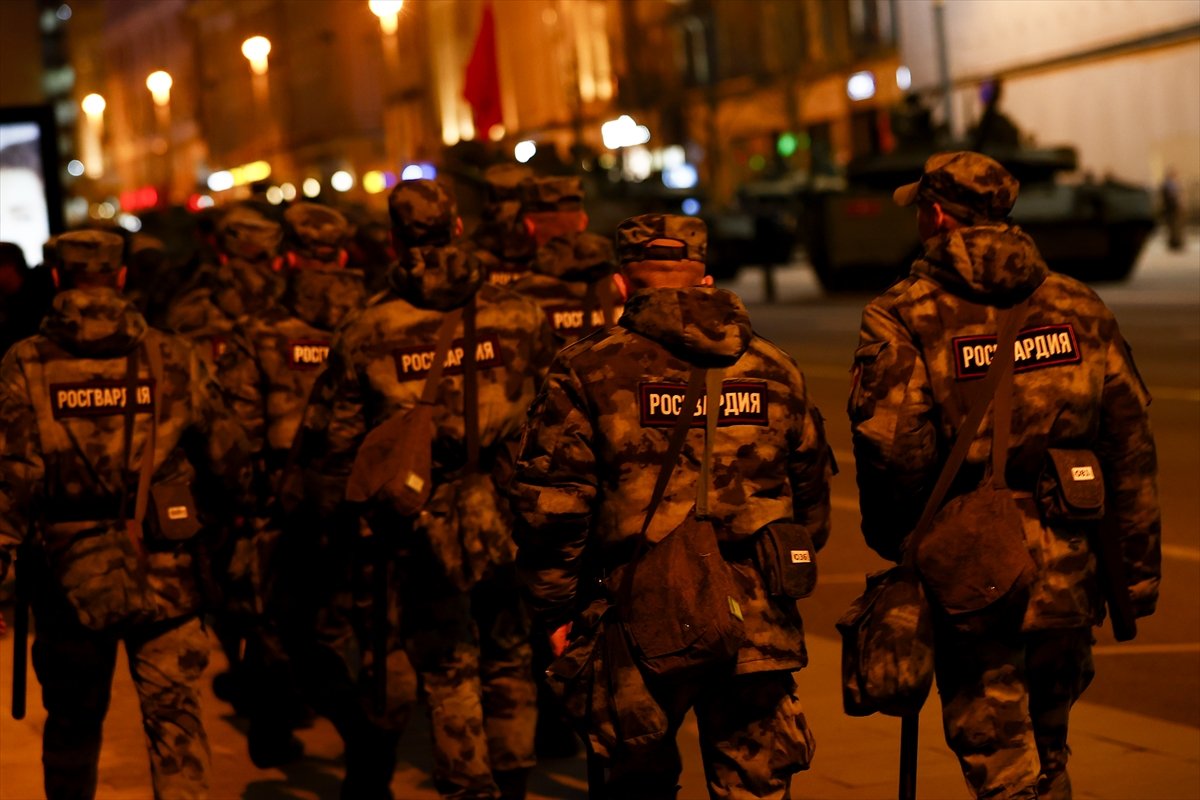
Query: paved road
1136, 735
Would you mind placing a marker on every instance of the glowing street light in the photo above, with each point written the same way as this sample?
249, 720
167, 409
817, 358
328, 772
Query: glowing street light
256, 49
159, 83
387, 11
93, 105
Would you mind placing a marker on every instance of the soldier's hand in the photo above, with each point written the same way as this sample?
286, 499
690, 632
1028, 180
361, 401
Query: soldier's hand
558, 639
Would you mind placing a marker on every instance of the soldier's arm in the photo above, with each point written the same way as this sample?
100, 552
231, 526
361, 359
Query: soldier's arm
21, 466
333, 427
216, 444
891, 419
240, 378
1128, 458
552, 495
810, 467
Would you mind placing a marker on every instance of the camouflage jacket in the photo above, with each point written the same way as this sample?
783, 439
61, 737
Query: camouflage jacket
506, 255
377, 367
922, 346
62, 402
597, 436
269, 369
209, 312
564, 282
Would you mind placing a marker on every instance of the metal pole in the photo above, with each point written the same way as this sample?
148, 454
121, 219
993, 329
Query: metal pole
943, 57
909, 729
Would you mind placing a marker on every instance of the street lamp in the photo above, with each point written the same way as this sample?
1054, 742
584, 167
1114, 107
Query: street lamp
93, 160
387, 11
159, 83
255, 49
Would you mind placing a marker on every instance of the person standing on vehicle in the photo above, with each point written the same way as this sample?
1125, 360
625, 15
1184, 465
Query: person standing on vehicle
107, 423
595, 441
924, 345
461, 618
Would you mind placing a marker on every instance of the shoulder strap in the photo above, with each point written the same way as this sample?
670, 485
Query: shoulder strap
695, 389
445, 337
154, 357
1002, 363
470, 386
712, 402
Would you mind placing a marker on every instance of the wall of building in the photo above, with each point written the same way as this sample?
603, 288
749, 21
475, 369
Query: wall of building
1130, 114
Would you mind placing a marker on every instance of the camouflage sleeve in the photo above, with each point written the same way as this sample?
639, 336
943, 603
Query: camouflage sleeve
224, 454
895, 440
552, 494
333, 428
240, 378
810, 469
545, 346
21, 465
1127, 454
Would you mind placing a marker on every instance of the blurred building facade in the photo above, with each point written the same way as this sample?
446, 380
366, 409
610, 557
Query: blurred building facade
718, 80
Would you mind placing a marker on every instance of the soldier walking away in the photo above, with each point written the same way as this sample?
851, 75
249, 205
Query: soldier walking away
268, 371
1079, 435
501, 242
572, 275
586, 496
461, 619
107, 424
244, 283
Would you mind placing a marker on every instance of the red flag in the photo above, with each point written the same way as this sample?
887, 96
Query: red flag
481, 85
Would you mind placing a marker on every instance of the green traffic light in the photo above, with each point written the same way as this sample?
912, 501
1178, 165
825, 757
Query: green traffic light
787, 144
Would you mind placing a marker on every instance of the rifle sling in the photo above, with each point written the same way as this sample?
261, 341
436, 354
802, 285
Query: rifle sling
470, 387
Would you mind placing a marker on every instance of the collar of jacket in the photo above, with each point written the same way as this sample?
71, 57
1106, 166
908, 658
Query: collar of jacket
990, 263
439, 278
94, 323
704, 326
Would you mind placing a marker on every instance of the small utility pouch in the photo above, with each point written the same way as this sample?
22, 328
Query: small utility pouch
786, 559
173, 512
1070, 487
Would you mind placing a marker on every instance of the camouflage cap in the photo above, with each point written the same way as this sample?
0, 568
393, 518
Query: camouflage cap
504, 181
422, 209
90, 252
318, 232
634, 237
245, 232
552, 194
969, 186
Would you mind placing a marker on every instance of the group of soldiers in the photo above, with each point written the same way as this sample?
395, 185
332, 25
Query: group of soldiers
155, 482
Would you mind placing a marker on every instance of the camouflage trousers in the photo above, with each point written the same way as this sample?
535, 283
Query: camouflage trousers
1006, 699
753, 737
473, 655
75, 668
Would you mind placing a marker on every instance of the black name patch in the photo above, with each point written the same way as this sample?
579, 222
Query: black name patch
307, 353
415, 362
742, 403
570, 318
503, 277
99, 398
1048, 346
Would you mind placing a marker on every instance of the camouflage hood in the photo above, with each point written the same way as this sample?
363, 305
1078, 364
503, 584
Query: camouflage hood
96, 323
984, 263
440, 278
323, 296
703, 326
504, 239
243, 287
582, 257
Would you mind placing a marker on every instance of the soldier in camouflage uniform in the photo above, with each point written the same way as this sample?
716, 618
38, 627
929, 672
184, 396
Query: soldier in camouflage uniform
502, 244
572, 274
482, 730
245, 283
77, 425
923, 345
592, 450
268, 370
